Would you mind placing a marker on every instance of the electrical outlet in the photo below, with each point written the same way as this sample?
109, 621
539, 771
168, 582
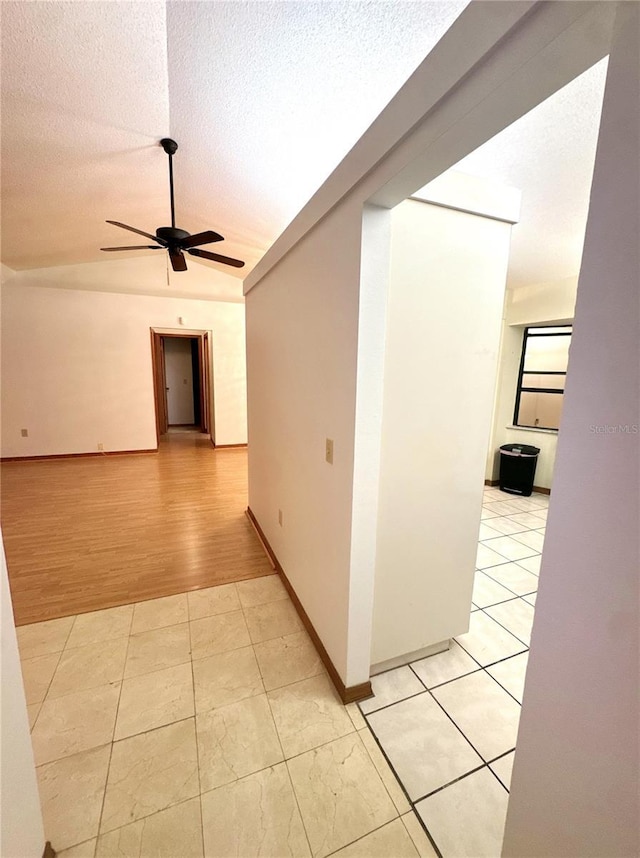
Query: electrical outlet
280, 517
328, 453
100, 446
24, 433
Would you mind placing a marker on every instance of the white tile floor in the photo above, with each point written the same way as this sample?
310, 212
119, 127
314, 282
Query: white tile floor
448, 723
204, 724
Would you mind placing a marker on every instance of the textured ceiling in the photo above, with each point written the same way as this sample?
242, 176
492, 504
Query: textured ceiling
264, 100
549, 154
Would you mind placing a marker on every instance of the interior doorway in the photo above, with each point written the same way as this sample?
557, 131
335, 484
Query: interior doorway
182, 381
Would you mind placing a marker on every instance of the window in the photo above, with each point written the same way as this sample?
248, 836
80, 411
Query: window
543, 369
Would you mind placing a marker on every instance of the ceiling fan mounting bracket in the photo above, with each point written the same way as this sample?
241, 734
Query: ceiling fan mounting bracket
170, 146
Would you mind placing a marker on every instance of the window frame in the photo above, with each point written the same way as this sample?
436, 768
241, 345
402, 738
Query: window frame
568, 330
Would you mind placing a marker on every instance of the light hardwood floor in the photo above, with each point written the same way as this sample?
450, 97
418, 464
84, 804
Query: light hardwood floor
90, 533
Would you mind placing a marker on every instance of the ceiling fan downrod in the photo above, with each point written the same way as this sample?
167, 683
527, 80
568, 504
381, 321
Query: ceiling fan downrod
170, 147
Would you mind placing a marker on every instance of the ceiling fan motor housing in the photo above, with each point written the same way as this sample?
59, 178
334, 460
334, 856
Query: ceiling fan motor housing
171, 234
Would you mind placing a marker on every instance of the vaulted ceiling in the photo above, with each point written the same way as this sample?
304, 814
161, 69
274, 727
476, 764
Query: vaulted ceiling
264, 99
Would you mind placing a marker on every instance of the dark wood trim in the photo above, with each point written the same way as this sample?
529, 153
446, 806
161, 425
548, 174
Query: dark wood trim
228, 446
77, 455
540, 489
157, 371
258, 532
49, 851
158, 336
347, 694
206, 405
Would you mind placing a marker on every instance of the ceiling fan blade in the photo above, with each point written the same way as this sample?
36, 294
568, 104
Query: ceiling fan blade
216, 257
178, 262
207, 237
135, 247
139, 231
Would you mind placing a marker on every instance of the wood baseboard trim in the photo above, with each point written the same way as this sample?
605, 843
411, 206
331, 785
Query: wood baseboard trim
540, 489
347, 694
77, 455
260, 535
49, 851
229, 446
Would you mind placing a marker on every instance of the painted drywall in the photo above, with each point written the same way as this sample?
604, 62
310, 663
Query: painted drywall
302, 335
543, 303
575, 784
76, 367
179, 378
303, 299
148, 274
21, 829
446, 294
538, 304
6, 273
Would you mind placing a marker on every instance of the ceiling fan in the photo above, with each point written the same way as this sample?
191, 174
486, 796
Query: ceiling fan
175, 240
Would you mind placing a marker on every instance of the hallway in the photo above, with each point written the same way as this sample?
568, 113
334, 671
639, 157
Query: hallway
448, 723
88, 533
204, 724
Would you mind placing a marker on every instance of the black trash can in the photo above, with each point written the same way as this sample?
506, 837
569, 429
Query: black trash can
517, 468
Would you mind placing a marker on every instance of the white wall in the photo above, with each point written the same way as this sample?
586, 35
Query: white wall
302, 336
543, 302
76, 367
21, 829
446, 293
179, 377
540, 303
575, 784
304, 297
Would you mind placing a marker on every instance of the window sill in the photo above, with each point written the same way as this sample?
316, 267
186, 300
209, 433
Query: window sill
533, 429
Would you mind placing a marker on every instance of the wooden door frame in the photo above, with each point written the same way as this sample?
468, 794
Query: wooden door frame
159, 377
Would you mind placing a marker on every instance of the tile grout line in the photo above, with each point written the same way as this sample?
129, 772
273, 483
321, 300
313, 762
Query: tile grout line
284, 758
527, 645
400, 783
50, 683
519, 595
408, 797
46, 694
485, 763
502, 686
370, 758
297, 801
195, 726
362, 836
111, 744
